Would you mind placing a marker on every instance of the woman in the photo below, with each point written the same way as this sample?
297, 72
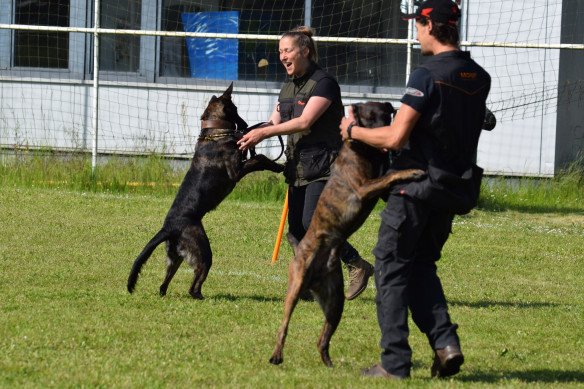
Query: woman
309, 110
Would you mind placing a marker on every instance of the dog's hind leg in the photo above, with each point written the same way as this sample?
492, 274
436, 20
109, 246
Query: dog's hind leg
173, 262
329, 293
304, 292
201, 271
196, 249
296, 273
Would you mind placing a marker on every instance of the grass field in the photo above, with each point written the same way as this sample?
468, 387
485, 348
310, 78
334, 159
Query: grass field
514, 278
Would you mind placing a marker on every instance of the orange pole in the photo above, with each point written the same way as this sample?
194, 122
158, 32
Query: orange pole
280, 229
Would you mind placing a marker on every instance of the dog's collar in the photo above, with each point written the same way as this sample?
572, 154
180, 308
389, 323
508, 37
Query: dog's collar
218, 134
217, 124
223, 129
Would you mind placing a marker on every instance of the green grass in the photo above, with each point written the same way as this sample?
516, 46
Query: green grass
563, 193
152, 175
156, 176
514, 278
51, 169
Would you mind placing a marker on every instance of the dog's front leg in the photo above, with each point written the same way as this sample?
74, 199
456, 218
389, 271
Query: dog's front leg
257, 163
375, 187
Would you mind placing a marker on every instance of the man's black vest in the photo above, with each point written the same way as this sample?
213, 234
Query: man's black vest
309, 153
445, 139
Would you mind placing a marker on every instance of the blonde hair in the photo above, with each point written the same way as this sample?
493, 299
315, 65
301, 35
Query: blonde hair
302, 35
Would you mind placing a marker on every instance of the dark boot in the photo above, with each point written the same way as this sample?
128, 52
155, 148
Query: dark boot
359, 273
379, 371
447, 361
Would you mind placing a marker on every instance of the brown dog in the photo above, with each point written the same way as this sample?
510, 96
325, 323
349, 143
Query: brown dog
217, 166
347, 199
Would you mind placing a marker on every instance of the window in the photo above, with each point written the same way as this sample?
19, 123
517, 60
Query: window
362, 64
254, 17
352, 64
120, 52
42, 49
148, 58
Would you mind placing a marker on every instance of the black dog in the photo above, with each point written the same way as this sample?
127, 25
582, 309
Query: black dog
347, 199
217, 166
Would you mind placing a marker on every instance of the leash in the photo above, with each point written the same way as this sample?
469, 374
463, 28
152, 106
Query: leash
280, 140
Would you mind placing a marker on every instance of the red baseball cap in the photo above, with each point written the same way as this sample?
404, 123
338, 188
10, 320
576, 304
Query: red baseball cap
442, 11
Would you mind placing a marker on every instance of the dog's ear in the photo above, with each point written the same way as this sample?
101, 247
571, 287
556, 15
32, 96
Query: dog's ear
391, 111
390, 108
228, 91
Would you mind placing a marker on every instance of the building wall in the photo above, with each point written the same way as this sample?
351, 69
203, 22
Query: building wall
524, 140
131, 119
570, 119
534, 134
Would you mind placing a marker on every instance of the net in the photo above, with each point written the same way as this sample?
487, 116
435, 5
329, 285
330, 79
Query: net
160, 62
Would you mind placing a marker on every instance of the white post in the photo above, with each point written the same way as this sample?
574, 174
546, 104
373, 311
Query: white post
307, 12
410, 37
463, 20
95, 121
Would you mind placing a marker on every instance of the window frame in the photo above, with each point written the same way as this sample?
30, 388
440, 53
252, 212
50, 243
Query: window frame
74, 70
147, 56
80, 65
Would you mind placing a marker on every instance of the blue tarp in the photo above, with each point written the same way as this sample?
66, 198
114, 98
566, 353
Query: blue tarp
212, 58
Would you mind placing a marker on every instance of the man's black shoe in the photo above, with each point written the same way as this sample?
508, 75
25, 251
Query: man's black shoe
447, 361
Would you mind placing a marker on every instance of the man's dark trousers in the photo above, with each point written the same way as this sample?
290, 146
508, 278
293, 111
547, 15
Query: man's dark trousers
411, 237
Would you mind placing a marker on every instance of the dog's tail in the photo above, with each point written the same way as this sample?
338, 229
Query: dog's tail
160, 237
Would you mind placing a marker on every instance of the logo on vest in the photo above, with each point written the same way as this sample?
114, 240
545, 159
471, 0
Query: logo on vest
414, 92
468, 75
300, 102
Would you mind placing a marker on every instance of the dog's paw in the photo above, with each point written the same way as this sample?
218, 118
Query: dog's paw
276, 360
410, 175
327, 361
162, 291
279, 168
417, 174
324, 355
197, 295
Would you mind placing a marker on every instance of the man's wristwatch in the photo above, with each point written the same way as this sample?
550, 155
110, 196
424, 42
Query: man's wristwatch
349, 130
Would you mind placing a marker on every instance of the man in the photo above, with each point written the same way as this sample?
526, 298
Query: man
436, 129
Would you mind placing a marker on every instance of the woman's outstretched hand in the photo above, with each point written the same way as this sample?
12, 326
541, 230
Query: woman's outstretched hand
253, 137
